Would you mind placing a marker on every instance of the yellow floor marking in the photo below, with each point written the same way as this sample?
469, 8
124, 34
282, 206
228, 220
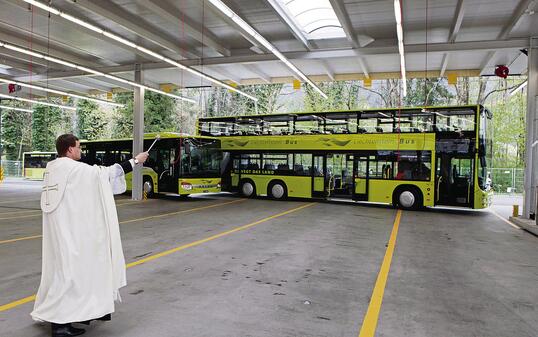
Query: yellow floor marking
21, 216
503, 219
17, 303
196, 243
39, 212
14, 304
21, 239
18, 212
183, 211
12, 201
372, 314
132, 220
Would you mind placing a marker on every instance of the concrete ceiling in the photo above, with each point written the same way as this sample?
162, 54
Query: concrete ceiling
465, 37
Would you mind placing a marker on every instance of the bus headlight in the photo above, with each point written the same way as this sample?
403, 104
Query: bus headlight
186, 186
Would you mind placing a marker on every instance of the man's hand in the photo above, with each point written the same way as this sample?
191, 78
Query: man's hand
142, 157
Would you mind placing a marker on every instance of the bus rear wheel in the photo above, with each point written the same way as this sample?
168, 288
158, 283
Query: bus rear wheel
248, 189
277, 190
407, 198
147, 186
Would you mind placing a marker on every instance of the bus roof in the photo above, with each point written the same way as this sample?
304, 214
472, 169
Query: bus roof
151, 135
471, 106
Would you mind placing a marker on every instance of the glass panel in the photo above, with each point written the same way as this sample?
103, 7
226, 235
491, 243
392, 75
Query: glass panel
302, 164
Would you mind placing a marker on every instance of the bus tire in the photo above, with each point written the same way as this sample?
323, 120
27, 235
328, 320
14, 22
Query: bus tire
277, 190
147, 186
247, 188
407, 198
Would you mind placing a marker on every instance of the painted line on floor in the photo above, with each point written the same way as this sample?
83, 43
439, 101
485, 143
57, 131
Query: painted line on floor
12, 201
183, 211
14, 304
371, 318
38, 213
21, 239
216, 236
137, 219
18, 212
505, 220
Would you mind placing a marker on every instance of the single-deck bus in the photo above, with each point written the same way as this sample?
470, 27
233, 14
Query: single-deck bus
177, 163
34, 164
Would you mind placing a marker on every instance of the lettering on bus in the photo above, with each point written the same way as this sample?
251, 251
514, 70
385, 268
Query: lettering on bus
244, 171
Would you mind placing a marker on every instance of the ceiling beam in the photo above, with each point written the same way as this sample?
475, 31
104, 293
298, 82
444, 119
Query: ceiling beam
172, 14
73, 25
290, 23
516, 15
514, 44
342, 16
254, 69
324, 64
456, 24
133, 23
363, 66
444, 64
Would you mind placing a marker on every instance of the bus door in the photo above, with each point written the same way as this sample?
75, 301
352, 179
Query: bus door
360, 178
319, 183
166, 167
454, 180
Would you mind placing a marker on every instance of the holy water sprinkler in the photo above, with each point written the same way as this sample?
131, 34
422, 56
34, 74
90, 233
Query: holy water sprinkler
158, 137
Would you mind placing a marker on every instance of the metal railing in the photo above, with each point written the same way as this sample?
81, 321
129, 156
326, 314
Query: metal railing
12, 168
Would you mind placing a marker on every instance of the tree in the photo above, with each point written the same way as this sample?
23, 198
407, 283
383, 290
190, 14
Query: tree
91, 121
45, 122
16, 131
123, 116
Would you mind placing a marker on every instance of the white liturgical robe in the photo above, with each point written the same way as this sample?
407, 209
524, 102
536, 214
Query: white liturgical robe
83, 266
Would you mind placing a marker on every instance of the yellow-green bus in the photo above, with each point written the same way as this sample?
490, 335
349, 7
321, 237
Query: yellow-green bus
177, 164
409, 157
34, 164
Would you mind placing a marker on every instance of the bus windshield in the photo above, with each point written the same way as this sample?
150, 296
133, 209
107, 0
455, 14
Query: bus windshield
38, 160
200, 158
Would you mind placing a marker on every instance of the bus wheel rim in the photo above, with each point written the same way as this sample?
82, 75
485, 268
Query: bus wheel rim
277, 191
248, 189
147, 187
407, 199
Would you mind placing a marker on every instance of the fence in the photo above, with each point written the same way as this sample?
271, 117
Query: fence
12, 168
507, 180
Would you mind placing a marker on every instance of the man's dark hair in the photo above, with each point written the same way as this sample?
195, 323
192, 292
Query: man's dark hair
64, 142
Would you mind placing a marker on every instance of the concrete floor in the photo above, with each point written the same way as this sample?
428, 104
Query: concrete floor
310, 272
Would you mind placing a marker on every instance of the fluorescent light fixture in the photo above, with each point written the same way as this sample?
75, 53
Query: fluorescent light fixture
59, 92
315, 18
140, 48
15, 109
399, 32
252, 32
37, 102
92, 71
43, 6
519, 87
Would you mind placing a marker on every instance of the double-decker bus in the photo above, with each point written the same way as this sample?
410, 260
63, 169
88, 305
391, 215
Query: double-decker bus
408, 157
34, 164
177, 164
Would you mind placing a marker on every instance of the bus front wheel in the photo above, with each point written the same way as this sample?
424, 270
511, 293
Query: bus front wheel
277, 190
407, 198
248, 189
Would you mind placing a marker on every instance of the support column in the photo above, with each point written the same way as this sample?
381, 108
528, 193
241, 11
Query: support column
138, 133
531, 144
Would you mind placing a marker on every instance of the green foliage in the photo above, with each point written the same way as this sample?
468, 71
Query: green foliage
45, 122
223, 102
16, 131
91, 121
123, 116
427, 92
341, 96
159, 112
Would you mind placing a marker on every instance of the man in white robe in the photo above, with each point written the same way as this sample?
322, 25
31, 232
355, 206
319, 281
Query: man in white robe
83, 266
